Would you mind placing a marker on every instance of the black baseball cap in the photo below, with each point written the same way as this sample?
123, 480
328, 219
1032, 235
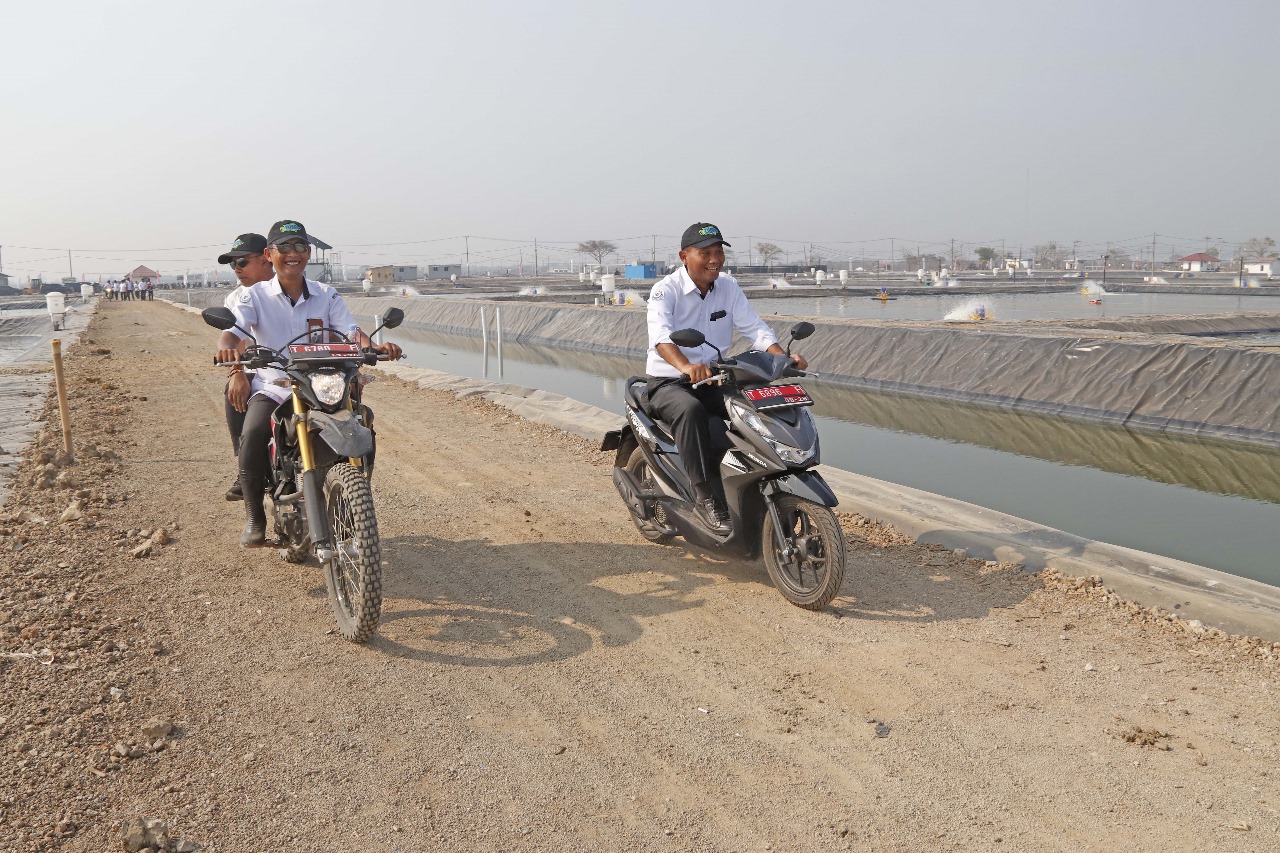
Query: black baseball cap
286, 229
700, 235
245, 245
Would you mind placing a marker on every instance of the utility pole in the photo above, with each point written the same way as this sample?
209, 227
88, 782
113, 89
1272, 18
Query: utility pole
70, 270
653, 256
467, 243
953, 254
522, 261
1075, 255
1153, 257
535, 257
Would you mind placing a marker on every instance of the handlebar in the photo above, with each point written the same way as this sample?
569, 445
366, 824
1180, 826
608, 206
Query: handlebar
264, 356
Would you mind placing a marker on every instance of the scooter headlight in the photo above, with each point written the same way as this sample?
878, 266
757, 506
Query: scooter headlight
328, 386
787, 453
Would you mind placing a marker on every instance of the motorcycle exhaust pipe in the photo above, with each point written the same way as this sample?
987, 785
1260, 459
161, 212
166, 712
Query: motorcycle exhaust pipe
632, 494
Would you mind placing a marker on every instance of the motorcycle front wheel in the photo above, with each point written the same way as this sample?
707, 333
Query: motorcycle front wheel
811, 575
354, 574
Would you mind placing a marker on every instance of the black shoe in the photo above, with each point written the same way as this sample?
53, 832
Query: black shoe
255, 525
714, 515
234, 493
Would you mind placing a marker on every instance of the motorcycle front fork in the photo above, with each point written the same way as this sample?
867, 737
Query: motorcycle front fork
312, 487
788, 549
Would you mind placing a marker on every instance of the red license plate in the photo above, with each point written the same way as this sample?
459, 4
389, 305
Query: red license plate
324, 351
775, 396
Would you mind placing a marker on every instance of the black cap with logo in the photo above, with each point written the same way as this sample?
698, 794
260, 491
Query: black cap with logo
700, 235
286, 229
244, 246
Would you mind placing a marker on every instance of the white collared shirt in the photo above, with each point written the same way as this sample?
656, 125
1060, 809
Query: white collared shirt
266, 311
675, 303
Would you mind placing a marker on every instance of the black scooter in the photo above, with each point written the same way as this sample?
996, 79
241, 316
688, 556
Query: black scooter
780, 508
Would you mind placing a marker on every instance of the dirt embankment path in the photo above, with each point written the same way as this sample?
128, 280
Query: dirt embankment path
546, 680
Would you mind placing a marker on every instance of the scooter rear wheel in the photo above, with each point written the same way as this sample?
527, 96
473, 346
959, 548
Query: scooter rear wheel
811, 576
638, 467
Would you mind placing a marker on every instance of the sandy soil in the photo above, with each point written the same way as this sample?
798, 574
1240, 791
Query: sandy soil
546, 680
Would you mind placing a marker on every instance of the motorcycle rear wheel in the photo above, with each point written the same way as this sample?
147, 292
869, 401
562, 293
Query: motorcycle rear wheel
638, 468
812, 575
354, 575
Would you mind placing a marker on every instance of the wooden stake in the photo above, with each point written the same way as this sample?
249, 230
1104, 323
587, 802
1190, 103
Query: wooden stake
63, 409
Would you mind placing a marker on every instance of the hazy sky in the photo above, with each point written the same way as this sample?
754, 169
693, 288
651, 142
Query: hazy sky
129, 128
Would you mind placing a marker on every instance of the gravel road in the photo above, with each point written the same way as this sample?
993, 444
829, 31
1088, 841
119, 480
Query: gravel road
545, 679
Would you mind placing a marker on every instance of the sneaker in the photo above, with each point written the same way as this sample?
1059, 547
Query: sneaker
714, 515
234, 493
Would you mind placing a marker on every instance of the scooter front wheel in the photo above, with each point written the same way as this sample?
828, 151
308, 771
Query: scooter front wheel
807, 566
638, 468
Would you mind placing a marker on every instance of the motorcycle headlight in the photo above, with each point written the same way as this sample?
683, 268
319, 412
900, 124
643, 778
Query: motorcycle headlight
328, 386
787, 453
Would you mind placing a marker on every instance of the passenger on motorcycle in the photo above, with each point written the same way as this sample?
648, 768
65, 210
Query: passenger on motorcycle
249, 261
275, 312
699, 296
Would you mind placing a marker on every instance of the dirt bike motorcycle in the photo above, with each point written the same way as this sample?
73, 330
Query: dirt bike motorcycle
320, 460
780, 507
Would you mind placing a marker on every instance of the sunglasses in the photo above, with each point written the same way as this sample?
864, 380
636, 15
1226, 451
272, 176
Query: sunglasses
239, 263
290, 248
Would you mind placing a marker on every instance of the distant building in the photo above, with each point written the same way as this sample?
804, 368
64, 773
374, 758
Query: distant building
1262, 266
145, 274
640, 271
437, 272
1200, 262
390, 274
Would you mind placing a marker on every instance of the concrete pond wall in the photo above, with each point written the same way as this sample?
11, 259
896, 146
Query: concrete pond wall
1157, 379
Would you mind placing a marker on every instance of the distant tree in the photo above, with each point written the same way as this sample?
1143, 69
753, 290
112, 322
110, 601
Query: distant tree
1257, 247
985, 254
767, 252
912, 262
1117, 257
598, 249
1050, 255
1213, 250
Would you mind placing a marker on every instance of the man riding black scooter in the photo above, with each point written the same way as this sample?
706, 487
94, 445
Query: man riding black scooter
699, 296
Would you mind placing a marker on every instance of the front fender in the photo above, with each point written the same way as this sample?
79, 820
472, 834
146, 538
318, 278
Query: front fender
344, 434
808, 485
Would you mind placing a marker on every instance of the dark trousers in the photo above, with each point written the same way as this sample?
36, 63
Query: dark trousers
689, 411
255, 433
235, 421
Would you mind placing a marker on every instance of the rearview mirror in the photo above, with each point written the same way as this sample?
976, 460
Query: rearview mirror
219, 318
688, 338
802, 330
393, 318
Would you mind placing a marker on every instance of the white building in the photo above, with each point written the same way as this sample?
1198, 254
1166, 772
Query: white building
1269, 267
437, 272
1200, 262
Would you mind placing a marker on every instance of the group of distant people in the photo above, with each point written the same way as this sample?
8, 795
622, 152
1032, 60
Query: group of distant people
127, 289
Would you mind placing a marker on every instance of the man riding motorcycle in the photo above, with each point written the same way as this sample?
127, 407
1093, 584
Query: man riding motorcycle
275, 312
699, 296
